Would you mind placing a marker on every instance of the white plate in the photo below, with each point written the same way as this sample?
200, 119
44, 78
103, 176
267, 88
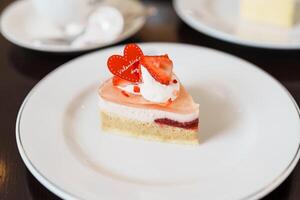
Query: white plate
249, 129
21, 26
220, 19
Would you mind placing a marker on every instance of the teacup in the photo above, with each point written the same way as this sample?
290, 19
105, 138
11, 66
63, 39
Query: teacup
63, 12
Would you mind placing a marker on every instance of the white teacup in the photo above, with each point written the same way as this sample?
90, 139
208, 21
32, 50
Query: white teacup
63, 12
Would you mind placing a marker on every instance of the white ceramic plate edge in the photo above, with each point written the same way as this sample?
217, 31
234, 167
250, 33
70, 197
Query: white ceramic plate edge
65, 195
199, 26
43, 180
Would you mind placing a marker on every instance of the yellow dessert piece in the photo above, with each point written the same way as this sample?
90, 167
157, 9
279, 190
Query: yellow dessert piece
272, 12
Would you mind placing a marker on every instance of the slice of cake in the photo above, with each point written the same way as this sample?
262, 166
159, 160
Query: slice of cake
145, 98
273, 12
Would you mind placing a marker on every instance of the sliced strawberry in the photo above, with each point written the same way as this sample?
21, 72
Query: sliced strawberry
117, 81
124, 93
160, 67
136, 89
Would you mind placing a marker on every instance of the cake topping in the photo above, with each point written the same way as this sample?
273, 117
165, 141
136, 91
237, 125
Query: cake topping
149, 76
124, 93
154, 91
127, 66
117, 81
160, 67
136, 89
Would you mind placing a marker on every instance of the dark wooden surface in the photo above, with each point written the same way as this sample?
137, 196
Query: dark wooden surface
21, 69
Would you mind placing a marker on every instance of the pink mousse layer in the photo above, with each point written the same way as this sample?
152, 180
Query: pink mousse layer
183, 104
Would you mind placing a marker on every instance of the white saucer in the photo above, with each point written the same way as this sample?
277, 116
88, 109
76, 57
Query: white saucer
20, 25
249, 123
220, 19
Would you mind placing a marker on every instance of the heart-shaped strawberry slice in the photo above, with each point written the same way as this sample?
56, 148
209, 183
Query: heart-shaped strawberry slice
128, 66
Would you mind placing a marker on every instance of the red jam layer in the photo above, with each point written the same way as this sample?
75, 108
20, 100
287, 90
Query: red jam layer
187, 125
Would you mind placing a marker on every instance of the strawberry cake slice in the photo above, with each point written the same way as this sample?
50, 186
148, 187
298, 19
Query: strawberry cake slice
144, 98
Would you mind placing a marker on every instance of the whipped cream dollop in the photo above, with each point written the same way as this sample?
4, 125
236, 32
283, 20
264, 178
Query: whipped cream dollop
152, 90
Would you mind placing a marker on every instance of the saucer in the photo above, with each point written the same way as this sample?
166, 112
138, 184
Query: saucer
21, 25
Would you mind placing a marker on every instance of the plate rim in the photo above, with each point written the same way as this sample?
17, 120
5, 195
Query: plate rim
223, 36
67, 195
26, 45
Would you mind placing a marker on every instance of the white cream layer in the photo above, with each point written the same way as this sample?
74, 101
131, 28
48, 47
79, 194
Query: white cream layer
152, 90
145, 115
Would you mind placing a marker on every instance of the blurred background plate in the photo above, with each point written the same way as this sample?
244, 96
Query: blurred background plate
220, 19
21, 25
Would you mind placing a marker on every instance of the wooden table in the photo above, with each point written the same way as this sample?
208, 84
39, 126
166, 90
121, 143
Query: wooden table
21, 69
